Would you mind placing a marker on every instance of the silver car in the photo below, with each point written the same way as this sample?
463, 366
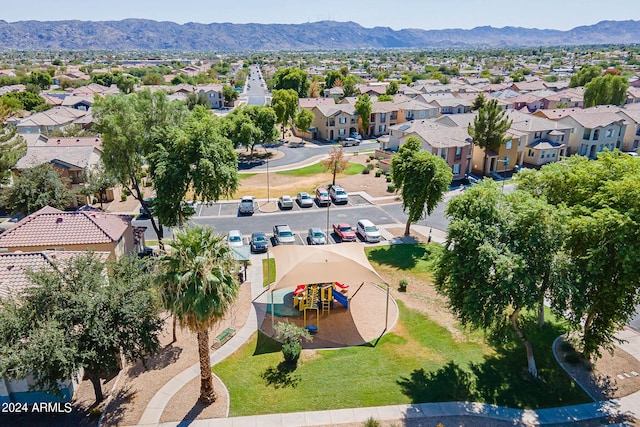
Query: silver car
315, 236
304, 200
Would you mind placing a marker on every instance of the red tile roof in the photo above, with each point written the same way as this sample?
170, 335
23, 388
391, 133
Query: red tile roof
50, 227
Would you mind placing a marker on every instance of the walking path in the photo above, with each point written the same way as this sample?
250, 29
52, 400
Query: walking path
482, 413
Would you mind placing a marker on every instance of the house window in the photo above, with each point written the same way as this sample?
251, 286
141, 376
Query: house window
458, 153
342, 132
596, 134
537, 135
456, 169
587, 134
554, 154
382, 128
342, 120
609, 133
530, 154
383, 117
509, 144
542, 154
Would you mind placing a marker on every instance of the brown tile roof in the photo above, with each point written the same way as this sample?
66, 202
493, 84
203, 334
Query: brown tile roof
15, 266
50, 227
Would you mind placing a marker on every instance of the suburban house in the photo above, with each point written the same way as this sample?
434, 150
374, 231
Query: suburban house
631, 140
545, 140
450, 104
214, 95
13, 280
383, 115
415, 110
81, 230
453, 144
593, 129
333, 122
46, 121
335, 92
78, 102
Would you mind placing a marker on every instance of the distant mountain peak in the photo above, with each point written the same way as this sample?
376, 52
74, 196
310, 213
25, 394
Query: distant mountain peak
146, 34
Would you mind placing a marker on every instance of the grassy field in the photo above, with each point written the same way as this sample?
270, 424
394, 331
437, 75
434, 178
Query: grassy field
316, 168
418, 361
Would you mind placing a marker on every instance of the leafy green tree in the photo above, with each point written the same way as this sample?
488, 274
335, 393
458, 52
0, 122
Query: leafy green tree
349, 86
285, 104
70, 131
194, 156
104, 79
335, 163
25, 100
76, 317
492, 268
392, 89
603, 201
385, 98
422, 179
96, 181
585, 75
331, 78
132, 126
295, 79
363, 107
125, 82
152, 79
229, 94
36, 188
41, 79
12, 148
303, 120
478, 102
607, 90
198, 284
194, 99
259, 126
488, 130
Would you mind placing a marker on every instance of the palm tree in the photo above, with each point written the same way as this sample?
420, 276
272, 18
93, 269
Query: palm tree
198, 284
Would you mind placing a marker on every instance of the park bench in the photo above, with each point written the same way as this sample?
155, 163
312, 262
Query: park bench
223, 337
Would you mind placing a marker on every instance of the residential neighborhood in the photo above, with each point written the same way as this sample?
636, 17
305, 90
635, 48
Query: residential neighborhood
364, 237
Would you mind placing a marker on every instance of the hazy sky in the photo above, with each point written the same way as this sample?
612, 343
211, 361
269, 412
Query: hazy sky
425, 14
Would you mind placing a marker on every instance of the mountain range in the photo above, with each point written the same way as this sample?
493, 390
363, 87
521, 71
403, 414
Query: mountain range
143, 34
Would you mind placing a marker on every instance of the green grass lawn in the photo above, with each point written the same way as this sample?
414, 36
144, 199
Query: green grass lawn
316, 168
419, 361
245, 175
268, 271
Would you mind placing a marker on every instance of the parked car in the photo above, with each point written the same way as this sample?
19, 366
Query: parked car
304, 200
355, 135
338, 195
349, 142
246, 205
322, 197
315, 236
234, 238
368, 231
344, 232
147, 213
285, 202
282, 235
259, 242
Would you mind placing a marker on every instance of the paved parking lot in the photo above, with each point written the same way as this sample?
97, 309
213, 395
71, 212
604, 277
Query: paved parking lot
231, 208
301, 239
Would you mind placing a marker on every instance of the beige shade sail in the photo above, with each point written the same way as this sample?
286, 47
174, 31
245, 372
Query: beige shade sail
344, 263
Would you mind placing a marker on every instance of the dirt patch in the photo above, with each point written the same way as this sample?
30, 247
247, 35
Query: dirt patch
609, 377
188, 407
286, 184
139, 384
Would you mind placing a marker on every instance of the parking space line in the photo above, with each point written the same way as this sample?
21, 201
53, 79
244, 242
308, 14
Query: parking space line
219, 208
200, 210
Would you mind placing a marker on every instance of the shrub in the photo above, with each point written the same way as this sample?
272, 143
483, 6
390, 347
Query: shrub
391, 188
370, 167
147, 183
126, 191
372, 422
95, 413
378, 173
371, 157
291, 351
402, 285
123, 197
366, 171
388, 178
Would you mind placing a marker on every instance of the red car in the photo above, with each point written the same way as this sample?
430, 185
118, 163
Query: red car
345, 232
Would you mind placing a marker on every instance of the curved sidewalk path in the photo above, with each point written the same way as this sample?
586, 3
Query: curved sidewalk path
481, 413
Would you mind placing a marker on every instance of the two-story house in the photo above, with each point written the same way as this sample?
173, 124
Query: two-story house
383, 115
453, 144
544, 140
414, 110
631, 114
213, 92
334, 122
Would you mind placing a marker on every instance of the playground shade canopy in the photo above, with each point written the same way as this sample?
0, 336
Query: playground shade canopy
344, 263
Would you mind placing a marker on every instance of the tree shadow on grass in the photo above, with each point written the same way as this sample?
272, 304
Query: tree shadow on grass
281, 376
403, 257
502, 378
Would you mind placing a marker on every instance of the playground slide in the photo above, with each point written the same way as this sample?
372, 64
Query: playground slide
342, 299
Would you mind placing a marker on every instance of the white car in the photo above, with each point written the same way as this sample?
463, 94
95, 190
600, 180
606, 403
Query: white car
338, 195
349, 142
234, 238
368, 231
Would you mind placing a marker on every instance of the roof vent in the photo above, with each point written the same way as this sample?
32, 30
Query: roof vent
59, 220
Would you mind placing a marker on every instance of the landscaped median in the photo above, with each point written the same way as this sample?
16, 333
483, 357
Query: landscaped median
420, 360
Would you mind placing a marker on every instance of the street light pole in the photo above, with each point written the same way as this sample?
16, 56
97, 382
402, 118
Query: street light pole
268, 200
328, 206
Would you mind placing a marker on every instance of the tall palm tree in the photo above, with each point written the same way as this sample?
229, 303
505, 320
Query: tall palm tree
198, 284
